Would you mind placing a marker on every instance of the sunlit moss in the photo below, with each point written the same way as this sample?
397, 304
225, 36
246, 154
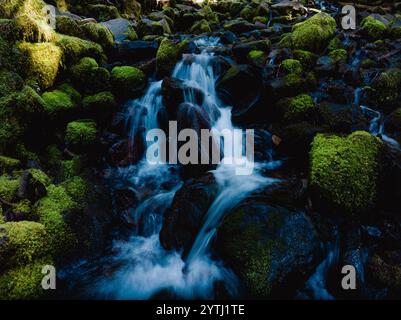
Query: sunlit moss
166, 57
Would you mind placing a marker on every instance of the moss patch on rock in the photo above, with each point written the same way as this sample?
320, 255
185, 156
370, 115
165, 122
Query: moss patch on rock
127, 81
166, 57
344, 170
81, 133
373, 28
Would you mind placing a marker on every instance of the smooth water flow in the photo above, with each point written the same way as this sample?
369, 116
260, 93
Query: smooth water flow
143, 268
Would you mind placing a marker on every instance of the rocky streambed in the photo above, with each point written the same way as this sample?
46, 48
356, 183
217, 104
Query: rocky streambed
76, 191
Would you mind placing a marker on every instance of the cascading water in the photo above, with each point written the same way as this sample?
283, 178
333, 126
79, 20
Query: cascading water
143, 268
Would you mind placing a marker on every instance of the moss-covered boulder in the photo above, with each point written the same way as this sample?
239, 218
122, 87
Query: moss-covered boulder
23, 243
257, 57
338, 55
8, 188
344, 170
373, 28
273, 250
9, 82
201, 26
307, 58
89, 77
50, 211
386, 89
313, 34
43, 61
102, 12
299, 108
80, 133
74, 49
8, 164
24, 283
291, 66
100, 106
99, 34
58, 103
166, 57
127, 81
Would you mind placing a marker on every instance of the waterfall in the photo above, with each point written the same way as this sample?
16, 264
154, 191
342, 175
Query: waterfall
142, 268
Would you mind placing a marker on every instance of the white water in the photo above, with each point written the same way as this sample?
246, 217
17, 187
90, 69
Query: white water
145, 268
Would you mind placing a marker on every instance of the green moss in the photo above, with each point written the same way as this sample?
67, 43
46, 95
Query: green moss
50, 210
209, 15
81, 133
367, 63
8, 188
99, 102
102, 12
299, 107
71, 92
40, 176
77, 189
334, 44
57, 102
248, 12
307, 59
338, 55
23, 206
25, 242
373, 28
68, 26
166, 57
131, 34
74, 49
386, 88
291, 66
8, 164
127, 81
9, 82
251, 253
24, 282
314, 33
43, 61
5, 54
344, 170
70, 168
201, 26
25, 155
99, 34
89, 77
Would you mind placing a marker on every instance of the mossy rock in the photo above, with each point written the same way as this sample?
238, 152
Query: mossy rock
9, 82
307, 58
102, 12
50, 210
166, 57
373, 28
74, 49
89, 77
24, 283
127, 81
8, 164
200, 27
68, 26
99, 34
71, 91
338, 55
81, 133
299, 108
344, 170
57, 103
77, 188
25, 241
291, 66
313, 34
70, 168
43, 61
257, 57
8, 188
39, 175
386, 91
101, 105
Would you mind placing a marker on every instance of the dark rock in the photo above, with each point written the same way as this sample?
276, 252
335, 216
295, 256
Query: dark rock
183, 220
30, 188
174, 91
119, 28
133, 52
272, 249
241, 88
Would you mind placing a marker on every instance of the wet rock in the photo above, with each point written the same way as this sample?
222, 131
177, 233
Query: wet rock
120, 28
174, 91
30, 188
183, 220
241, 88
272, 249
239, 26
132, 52
125, 198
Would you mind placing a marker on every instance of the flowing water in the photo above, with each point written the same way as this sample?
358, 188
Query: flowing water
143, 268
